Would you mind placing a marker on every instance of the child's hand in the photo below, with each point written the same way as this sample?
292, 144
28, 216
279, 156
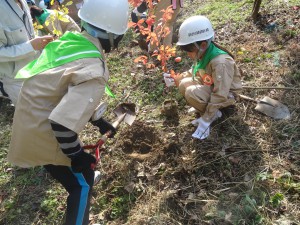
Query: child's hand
177, 78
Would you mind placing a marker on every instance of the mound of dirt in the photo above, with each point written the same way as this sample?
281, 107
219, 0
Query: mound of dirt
140, 141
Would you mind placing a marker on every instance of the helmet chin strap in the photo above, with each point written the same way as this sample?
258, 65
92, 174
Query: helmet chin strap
201, 52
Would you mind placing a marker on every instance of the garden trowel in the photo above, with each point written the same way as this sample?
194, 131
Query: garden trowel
270, 107
126, 112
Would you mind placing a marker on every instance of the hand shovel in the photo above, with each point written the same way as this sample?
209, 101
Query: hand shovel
125, 112
270, 107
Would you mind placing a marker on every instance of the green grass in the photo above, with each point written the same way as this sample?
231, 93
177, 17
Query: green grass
222, 12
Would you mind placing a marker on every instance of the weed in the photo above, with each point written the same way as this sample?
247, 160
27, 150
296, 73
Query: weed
276, 199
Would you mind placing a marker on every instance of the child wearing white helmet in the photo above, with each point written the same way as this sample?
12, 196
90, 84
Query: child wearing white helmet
206, 87
60, 95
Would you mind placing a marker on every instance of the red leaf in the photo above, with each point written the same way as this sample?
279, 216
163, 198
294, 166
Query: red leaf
143, 59
131, 24
135, 3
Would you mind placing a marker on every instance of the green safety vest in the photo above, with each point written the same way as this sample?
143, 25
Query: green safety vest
70, 47
211, 52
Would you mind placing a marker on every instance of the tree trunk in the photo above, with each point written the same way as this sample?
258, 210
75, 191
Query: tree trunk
255, 9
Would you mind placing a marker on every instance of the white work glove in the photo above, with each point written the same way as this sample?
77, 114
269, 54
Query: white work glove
202, 130
137, 13
168, 80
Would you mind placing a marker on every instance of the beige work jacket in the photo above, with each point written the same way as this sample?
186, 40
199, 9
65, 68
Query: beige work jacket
67, 95
226, 78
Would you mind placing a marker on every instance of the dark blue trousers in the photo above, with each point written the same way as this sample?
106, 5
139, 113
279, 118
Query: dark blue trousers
79, 187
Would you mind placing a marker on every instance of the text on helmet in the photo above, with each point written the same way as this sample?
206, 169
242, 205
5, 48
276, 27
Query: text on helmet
198, 32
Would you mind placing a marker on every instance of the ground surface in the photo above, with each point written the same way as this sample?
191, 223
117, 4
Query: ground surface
153, 172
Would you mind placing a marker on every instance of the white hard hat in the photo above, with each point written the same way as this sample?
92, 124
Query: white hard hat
108, 15
42, 5
193, 29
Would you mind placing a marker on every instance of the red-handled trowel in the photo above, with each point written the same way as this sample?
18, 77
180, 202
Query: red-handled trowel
124, 112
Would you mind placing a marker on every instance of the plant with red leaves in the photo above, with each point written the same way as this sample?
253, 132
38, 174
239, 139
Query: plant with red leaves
163, 53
